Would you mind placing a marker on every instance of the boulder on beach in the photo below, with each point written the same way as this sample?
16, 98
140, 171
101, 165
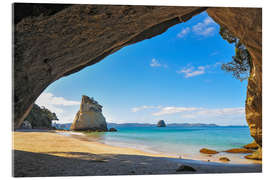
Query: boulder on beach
112, 130
185, 168
208, 151
161, 123
89, 117
224, 159
252, 145
239, 150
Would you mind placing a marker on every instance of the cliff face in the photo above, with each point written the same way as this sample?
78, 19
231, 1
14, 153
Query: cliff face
246, 24
89, 117
53, 42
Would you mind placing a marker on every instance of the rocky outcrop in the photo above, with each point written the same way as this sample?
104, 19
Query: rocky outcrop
239, 150
208, 151
257, 155
89, 117
252, 145
54, 41
161, 123
246, 24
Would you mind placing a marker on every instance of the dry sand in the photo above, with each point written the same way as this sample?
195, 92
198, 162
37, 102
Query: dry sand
45, 153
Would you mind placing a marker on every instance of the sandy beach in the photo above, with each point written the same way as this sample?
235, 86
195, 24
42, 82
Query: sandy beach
46, 153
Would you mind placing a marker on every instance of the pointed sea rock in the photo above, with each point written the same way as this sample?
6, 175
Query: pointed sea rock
89, 117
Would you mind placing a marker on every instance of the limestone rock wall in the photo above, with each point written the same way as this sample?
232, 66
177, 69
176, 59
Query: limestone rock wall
89, 117
246, 24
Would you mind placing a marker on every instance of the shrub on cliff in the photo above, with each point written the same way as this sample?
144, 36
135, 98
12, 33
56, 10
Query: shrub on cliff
240, 64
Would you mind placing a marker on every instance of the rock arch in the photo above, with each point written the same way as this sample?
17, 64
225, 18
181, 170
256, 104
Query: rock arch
52, 41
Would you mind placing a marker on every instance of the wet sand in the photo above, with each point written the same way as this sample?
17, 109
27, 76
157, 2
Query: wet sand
46, 153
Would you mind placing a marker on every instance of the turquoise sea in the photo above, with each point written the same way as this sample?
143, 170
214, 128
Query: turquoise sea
178, 140
184, 141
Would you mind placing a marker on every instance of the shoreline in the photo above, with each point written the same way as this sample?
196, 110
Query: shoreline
31, 148
237, 158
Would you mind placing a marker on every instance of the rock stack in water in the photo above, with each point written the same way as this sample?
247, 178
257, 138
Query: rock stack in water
89, 117
161, 123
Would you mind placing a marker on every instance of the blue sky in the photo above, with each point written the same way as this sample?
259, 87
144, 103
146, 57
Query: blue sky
175, 76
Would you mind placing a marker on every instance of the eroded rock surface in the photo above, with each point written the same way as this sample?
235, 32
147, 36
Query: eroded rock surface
89, 117
246, 24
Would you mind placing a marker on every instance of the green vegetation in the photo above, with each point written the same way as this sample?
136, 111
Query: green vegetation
40, 117
241, 62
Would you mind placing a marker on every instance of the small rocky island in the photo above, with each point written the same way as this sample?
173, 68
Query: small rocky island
161, 123
89, 117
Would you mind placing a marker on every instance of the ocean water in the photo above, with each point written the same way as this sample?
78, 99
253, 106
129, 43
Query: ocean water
185, 141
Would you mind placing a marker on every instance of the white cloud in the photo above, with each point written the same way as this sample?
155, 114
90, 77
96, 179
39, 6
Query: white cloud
183, 32
59, 105
208, 20
197, 112
191, 71
156, 63
173, 110
223, 111
214, 53
50, 99
205, 28
136, 109
182, 114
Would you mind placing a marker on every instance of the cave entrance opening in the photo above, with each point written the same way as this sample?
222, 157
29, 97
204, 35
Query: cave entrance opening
43, 33
175, 76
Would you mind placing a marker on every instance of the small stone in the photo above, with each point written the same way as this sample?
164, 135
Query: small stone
185, 168
224, 159
112, 130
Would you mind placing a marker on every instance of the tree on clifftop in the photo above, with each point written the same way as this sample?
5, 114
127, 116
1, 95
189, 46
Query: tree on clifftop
240, 64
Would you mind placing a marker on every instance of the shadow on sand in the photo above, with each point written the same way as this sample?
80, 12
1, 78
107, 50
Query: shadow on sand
29, 164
